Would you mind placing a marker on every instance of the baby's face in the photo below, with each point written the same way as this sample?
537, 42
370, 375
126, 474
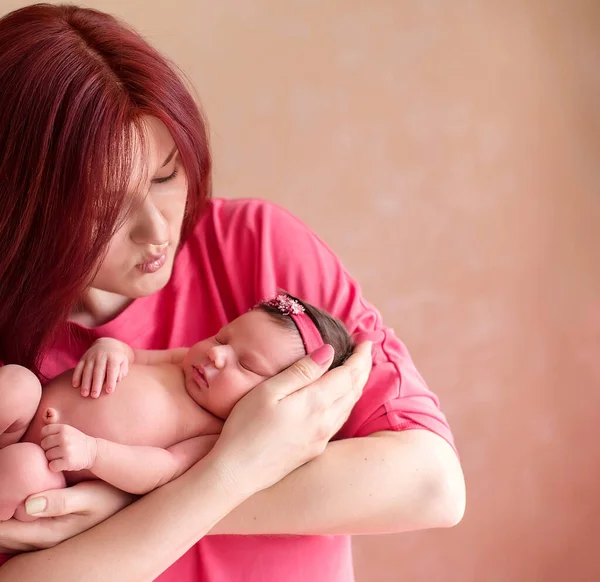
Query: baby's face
223, 368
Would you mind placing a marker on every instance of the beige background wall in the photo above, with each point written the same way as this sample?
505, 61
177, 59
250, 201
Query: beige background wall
449, 153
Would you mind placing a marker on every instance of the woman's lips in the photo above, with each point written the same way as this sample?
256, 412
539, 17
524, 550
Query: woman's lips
153, 264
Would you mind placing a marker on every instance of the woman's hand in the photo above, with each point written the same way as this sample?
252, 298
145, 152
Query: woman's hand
66, 513
289, 419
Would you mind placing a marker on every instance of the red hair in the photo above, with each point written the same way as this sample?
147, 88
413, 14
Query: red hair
75, 83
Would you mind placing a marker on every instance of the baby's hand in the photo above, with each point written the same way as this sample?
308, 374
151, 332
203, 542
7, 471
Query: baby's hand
104, 364
67, 449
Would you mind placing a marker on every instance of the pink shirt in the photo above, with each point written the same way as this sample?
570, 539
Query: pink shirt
243, 251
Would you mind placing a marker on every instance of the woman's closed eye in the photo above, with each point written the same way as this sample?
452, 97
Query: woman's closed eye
168, 178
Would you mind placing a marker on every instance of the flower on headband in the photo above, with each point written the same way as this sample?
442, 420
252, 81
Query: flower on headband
285, 304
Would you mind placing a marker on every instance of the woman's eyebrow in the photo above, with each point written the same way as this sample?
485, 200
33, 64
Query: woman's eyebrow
170, 157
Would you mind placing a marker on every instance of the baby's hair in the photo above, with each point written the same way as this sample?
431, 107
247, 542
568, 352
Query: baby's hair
332, 330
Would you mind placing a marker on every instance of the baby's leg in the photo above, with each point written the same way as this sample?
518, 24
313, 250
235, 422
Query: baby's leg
20, 393
24, 471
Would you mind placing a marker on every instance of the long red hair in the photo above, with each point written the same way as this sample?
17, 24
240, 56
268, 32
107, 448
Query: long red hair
75, 83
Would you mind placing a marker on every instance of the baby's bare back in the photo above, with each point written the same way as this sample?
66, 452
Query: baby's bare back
149, 407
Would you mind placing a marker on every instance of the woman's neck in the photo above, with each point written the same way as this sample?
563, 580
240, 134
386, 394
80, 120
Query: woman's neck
96, 307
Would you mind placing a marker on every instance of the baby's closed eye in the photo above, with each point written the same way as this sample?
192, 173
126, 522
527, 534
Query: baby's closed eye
246, 367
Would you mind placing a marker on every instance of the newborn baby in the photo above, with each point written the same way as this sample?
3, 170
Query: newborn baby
167, 412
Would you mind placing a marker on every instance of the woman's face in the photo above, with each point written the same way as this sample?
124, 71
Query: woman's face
140, 256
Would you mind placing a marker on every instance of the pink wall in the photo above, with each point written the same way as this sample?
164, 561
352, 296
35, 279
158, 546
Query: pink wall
463, 139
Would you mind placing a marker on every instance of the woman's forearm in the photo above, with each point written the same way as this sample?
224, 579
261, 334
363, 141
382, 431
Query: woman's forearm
132, 546
389, 482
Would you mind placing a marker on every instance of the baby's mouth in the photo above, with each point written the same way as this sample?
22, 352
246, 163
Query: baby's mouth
200, 376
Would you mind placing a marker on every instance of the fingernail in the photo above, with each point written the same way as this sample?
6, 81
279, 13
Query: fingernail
35, 505
322, 355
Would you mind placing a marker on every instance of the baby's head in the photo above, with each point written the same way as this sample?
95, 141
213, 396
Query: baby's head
257, 345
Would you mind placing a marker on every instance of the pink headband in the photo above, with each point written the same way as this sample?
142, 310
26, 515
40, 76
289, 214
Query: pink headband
308, 330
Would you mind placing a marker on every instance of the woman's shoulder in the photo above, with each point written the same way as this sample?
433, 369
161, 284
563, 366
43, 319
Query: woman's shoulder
254, 247
227, 210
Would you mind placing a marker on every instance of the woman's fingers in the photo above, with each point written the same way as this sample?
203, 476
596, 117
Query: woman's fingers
58, 502
289, 418
21, 536
360, 363
339, 411
88, 497
300, 373
348, 379
68, 511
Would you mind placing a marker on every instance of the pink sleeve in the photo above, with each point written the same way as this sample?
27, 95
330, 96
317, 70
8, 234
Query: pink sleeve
293, 258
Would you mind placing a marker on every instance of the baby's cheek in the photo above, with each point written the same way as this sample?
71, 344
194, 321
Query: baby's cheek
236, 389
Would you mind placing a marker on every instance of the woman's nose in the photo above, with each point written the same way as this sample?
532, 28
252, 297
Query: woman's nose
150, 227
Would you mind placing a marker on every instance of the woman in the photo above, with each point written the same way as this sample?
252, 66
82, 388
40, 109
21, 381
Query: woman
108, 230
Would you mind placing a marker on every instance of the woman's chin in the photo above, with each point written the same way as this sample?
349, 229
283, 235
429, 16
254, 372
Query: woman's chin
150, 283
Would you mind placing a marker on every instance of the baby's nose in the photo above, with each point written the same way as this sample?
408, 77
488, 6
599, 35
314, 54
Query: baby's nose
218, 356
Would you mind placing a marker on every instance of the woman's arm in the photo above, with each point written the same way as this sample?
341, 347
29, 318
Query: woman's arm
391, 481
141, 541
387, 482
278, 426
382, 483
68, 513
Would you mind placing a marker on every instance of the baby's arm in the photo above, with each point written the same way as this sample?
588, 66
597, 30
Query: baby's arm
139, 469
170, 356
107, 362
135, 469
104, 364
